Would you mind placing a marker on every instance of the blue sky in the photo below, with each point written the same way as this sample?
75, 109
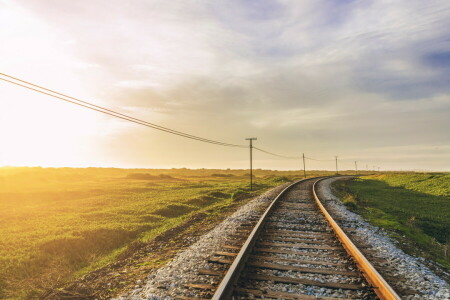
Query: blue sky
364, 80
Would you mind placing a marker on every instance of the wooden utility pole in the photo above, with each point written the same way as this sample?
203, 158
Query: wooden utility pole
304, 167
337, 171
251, 160
356, 167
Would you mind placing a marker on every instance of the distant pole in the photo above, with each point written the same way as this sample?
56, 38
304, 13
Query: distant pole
356, 167
337, 172
251, 160
304, 167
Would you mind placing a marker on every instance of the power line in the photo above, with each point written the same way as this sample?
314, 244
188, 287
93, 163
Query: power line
116, 114
319, 159
104, 110
270, 153
112, 112
290, 157
128, 118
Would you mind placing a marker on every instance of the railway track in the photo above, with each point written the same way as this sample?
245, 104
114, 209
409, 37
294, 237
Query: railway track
295, 250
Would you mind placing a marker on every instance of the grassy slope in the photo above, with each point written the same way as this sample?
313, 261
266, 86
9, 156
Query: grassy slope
415, 206
59, 223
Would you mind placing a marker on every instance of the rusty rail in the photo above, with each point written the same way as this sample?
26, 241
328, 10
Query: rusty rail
226, 287
383, 290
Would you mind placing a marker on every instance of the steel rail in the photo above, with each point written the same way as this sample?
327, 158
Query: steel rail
383, 290
226, 287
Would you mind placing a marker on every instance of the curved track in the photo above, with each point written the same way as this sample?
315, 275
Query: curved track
297, 251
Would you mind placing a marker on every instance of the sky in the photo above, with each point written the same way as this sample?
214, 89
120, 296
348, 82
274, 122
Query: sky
367, 81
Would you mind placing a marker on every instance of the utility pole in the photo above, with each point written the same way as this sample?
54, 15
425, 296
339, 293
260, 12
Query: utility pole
356, 167
337, 172
251, 161
304, 167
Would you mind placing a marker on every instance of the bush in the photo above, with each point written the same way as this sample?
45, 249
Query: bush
173, 210
280, 179
221, 175
240, 195
146, 176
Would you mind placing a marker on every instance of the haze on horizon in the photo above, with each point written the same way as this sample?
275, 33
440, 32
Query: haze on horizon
363, 80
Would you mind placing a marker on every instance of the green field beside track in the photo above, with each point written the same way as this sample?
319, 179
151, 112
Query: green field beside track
413, 208
57, 224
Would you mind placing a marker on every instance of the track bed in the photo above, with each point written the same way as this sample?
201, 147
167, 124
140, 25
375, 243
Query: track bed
291, 252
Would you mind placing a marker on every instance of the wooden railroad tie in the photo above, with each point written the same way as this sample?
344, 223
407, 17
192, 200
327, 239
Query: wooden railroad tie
306, 241
300, 232
210, 272
282, 295
331, 285
201, 286
302, 269
302, 253
299, 261
301, 246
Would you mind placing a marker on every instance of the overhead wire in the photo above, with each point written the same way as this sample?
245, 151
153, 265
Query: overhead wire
112, 112
318, 159
292, 157
104, 110
274, 154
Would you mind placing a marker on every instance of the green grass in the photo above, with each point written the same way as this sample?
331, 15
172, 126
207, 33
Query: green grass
59, 223
415, 207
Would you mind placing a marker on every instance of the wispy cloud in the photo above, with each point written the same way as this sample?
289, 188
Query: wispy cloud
317, 74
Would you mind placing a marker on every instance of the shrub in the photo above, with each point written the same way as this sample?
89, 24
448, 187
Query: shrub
221, 175
146, 176
240, 195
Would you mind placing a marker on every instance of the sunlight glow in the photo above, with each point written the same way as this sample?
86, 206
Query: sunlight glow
39, 130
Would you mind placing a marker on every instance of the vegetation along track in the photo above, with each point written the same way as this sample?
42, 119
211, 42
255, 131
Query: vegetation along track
295, 251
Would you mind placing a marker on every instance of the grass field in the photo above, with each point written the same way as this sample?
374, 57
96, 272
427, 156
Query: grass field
412, 207
57, 224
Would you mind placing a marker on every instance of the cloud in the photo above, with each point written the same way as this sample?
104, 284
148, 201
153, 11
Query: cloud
312, 74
